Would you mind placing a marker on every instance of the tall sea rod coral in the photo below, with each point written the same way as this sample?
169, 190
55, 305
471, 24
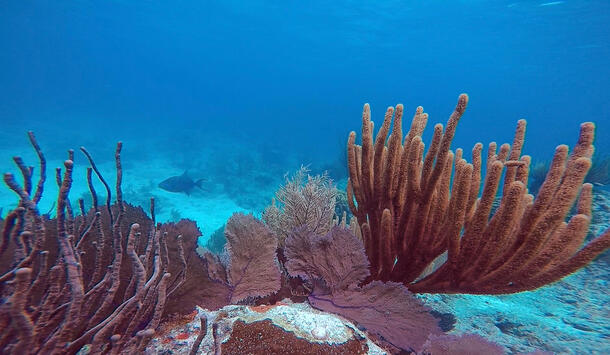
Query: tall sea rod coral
76, 280
412, 211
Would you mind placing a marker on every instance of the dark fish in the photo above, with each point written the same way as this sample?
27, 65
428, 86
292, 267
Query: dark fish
180, 183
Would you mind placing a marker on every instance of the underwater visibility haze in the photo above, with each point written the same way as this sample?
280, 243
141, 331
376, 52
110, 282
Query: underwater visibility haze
238, 208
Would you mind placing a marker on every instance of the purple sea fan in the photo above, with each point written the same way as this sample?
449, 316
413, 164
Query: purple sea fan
337, 257
251, 268
386, 309
336, 263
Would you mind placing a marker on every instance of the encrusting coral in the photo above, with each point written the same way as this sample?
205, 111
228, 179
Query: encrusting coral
411, 211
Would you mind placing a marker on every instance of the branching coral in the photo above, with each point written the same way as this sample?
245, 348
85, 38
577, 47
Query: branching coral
102, 278
411, 210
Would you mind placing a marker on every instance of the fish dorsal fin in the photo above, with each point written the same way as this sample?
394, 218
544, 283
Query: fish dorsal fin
185, 173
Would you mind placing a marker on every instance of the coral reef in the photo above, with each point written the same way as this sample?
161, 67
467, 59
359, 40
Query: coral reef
112, 280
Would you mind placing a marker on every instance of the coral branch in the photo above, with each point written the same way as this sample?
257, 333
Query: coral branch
52, 312
522, 245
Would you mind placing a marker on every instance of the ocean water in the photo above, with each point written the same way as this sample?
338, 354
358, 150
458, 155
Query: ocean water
240, 93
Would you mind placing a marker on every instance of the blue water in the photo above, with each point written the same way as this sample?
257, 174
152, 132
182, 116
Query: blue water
298, 72
240, 92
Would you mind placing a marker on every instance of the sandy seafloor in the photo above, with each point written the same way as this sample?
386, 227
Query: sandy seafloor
569, 317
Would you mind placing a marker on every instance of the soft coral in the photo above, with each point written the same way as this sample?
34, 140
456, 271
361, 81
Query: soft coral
336, 264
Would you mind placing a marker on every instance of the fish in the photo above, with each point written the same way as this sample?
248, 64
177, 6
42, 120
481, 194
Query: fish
180, 183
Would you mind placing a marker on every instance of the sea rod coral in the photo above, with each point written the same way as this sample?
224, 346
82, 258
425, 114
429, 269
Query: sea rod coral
412, 211
102, 278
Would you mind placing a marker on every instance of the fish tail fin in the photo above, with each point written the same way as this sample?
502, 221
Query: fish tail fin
199, 183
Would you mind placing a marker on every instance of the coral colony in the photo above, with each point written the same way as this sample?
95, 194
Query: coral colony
110, 279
